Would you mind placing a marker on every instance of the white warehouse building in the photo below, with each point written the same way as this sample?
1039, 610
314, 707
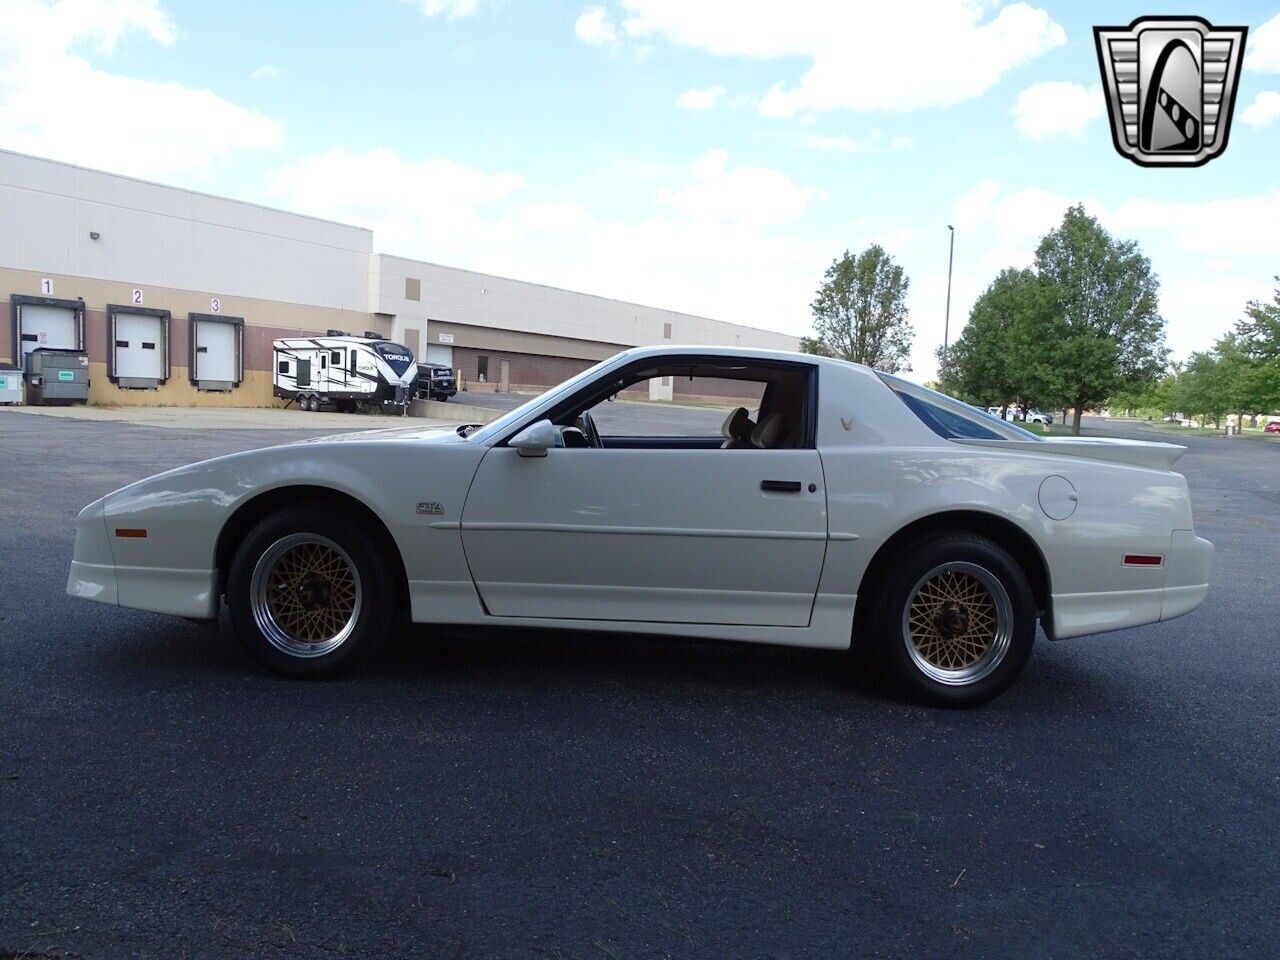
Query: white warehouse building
176, 295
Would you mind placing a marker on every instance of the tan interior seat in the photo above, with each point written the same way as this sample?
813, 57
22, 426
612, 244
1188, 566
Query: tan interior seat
771, 432
737, 430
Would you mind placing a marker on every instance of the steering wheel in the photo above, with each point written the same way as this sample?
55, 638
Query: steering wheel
588, 428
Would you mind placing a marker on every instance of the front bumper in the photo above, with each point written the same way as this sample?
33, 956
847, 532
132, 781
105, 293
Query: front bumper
94, 575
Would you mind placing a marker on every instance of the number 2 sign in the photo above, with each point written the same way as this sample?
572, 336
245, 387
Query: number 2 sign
137, 297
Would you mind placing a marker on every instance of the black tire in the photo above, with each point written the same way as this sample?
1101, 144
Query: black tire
925, 647
254, 621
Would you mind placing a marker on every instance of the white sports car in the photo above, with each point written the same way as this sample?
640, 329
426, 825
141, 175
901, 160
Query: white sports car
836, 505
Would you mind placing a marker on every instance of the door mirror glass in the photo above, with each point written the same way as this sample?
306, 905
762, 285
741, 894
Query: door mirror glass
536, 439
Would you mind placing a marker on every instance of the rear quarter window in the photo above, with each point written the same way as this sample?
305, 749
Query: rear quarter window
953, 420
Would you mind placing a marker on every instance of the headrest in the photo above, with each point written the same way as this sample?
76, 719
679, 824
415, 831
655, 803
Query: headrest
737, 425
771, 432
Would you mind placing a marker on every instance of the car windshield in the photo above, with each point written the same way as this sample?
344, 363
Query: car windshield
496, 427
953, 419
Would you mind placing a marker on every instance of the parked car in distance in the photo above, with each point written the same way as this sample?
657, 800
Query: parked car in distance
436, 382
1272, 427
1036, 416
854, 507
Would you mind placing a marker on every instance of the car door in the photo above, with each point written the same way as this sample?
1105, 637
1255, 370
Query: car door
689, 535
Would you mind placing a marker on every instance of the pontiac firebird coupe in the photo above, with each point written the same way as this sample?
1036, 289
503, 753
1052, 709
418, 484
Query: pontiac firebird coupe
845, 505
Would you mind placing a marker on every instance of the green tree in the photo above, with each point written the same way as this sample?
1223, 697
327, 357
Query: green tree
1201, 389
1257, 337
1112, 334
1005, 352
860, 312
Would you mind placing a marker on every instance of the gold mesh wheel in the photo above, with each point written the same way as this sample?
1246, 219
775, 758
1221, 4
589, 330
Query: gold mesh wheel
958, 623
305, 594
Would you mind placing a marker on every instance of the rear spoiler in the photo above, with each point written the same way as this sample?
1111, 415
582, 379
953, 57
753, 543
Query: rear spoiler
1138, 453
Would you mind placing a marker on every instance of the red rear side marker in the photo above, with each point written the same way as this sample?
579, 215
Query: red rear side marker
1142, 560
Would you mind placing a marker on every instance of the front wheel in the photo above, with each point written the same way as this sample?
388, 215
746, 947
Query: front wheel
957, 622
307, 595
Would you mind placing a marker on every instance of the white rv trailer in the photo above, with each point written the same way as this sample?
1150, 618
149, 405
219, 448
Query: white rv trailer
351, 373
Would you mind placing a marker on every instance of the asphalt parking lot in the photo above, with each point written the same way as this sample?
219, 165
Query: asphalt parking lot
545, 795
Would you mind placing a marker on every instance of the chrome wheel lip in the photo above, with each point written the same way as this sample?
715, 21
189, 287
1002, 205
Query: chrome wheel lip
1000, 641
260, 600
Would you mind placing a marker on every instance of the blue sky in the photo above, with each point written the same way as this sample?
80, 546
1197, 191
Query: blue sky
708, 157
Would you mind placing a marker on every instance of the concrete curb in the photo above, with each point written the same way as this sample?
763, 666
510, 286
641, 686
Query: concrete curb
454, 412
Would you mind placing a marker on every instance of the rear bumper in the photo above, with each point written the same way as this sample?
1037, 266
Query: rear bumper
1186, 586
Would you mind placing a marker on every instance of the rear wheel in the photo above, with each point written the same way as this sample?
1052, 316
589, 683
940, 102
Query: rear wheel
306, 594
957, 622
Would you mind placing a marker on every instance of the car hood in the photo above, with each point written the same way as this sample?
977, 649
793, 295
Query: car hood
390, 435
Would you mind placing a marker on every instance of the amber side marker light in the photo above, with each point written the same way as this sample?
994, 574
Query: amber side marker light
1142, 560
131, 533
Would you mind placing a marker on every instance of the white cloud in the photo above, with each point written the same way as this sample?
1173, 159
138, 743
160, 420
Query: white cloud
265, 72
700, 99
843, 143
1056, 107
54, 103
1264, 109
450, 9
1200, 309
401, 201
593, 28
974, 208
1264, 47
754, 195
953, 51
719, 241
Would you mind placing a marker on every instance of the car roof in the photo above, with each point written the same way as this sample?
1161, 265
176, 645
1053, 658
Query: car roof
737, 353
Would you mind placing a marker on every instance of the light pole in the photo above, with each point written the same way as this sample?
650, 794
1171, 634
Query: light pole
946, 322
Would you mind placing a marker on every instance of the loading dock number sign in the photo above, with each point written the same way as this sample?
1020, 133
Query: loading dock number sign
46, 286
137, 297
215, 305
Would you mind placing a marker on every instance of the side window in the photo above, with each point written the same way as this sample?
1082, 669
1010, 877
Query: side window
335, 357
714, 404
283, 366
672, 406
323, 361
352, 362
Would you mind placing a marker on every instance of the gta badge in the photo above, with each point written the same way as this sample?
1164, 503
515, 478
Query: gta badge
1170, 86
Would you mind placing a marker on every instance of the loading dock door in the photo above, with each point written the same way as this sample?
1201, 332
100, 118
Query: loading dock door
140, 350
440, 355
216, 352
57, 328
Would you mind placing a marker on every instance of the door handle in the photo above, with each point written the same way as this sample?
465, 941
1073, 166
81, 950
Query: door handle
781, 486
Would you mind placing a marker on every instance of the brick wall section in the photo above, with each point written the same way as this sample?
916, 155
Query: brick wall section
527, 369
744, 390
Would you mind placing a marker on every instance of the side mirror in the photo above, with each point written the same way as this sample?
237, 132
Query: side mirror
536, 439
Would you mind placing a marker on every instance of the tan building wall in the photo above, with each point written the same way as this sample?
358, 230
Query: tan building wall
264, 321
